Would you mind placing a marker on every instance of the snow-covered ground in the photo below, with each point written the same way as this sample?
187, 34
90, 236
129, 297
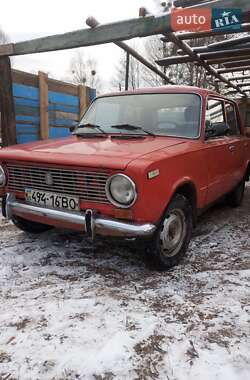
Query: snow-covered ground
73, 311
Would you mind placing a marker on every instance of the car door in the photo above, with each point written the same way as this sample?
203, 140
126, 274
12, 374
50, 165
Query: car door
236, 144
218, 153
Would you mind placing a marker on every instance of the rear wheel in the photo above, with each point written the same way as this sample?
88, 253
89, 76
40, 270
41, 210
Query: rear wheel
235, 198
173, 235
30, 227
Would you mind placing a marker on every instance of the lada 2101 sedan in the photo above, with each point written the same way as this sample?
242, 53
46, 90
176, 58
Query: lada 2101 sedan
140, 164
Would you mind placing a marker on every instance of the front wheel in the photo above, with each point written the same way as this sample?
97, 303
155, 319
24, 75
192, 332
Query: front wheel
30, 227
173, 235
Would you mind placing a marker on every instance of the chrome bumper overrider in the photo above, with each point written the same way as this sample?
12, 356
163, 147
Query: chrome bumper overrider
91, 222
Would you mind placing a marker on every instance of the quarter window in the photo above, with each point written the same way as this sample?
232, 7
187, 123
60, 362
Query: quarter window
232, 119
215, 113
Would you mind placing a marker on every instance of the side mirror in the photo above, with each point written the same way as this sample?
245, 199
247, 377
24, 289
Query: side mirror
73, 126
216, 130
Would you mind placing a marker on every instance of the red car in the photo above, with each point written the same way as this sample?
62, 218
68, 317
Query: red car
140, 164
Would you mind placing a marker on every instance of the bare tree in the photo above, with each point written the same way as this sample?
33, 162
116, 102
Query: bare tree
84, 71
4, 39
135, 80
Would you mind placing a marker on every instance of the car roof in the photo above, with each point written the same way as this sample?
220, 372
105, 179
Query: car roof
165, 90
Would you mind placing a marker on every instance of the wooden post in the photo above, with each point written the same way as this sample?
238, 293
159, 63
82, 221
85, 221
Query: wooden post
127, 71
44, 105
83, 99
8, 118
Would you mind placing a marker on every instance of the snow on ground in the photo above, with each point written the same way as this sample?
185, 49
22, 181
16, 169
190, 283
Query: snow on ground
73, 311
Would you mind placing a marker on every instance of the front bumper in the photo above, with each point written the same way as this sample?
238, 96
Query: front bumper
92, 223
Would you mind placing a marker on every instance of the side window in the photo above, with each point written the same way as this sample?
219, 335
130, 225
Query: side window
232, 119
214, 113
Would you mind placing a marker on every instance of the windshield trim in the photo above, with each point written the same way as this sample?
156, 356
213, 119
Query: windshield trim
155, 93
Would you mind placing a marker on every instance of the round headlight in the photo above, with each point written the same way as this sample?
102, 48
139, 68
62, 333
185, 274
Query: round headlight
2, 177
121, 190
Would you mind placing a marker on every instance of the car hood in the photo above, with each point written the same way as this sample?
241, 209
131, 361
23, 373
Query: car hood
113, 153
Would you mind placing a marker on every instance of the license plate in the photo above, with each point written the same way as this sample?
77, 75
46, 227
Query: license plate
52, 200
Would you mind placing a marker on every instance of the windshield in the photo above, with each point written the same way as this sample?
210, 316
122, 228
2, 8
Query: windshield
172, 114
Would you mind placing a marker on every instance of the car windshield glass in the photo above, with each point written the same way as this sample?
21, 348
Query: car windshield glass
171, 114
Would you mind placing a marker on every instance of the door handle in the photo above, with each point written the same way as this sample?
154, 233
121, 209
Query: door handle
232, 148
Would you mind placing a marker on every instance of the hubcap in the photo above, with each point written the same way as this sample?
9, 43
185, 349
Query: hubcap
173, 233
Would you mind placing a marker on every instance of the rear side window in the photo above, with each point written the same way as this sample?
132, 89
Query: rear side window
232, 120
215, 112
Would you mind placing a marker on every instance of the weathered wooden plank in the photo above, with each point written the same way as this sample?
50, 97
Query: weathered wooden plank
63, 107
23, 91
59, 86
26, 110
233, 69
243, 62
62, 122
27, 129
63, 115
26, 102
6, 49
44, 102
24, 78
28, 119
83, 100
59, 97
26, 138
55, 132
8, 119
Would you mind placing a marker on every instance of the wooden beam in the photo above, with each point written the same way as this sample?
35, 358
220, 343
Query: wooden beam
243, 84
44, 105
219, 56
229, 43
8, 118
240, 77
245, 62
174, 60
118, 31
193, 35
233, 69
227, 59
224, 53
124, 30
6, 49
197, 57
209, 50
93, 23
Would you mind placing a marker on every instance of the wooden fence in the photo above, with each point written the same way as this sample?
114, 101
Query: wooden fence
44, 107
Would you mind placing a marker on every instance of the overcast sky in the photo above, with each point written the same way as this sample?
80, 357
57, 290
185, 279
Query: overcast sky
28, 19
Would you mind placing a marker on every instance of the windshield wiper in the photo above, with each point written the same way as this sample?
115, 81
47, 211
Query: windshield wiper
90, 125
130, 127
90, 135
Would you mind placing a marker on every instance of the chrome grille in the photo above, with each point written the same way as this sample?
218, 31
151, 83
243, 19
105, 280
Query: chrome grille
87, 185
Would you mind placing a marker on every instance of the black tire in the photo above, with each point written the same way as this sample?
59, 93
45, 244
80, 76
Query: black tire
166, 251
235, 198
29, 226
